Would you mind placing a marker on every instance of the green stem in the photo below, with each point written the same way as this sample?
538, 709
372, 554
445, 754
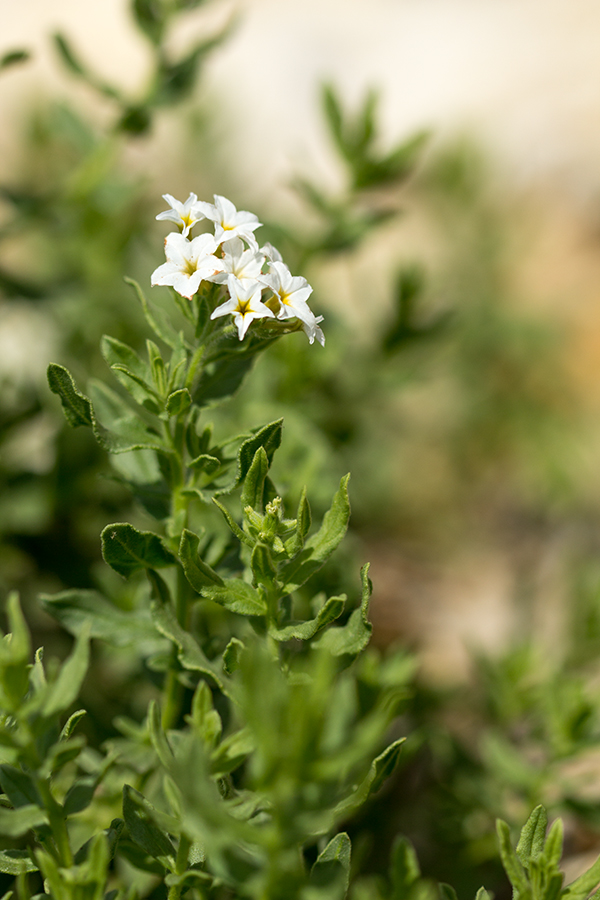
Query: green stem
173, 689
195, 362
58, 824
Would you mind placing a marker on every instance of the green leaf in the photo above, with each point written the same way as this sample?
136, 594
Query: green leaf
198, 573
447, 892
330, 875
76, 406
204, 717
511, 862
76, 608
303, 631
269, 438
353, 637
482, 894
157, 319
116, 353
15, 822
117, 427
112, 835
138, 815
552, 853
235, 528
531, 841
19, 787
383, 765
263, 568
319, 547
585, 884
16, 862
254, 482
128, 550
158, 736
190, 653
231, 655
80, 795
237, 596
231, 753
68, 57
65, 689
71, 724
303, 522
178, 402
404, 868
14, 57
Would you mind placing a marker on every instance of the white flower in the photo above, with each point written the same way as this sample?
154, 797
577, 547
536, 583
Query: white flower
188, 263
230, 223
271, 253
246, 265
244, 304
292, 292
185, 215
313, 331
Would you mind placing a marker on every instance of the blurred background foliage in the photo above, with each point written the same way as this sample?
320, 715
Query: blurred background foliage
439, 388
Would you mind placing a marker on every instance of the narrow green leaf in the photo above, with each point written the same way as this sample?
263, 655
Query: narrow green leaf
138, 815
198, 573
330, 875
128, 550
447, 892
204, 717
303, 522
65, 689
254, 482
76, 406
404, 868
554, 844
511, 862
14, 57
531, 841
71, 724
237, 596
383, 766
68, 56
235, 528
158, 736
319, 547
231, 753
303, 631
15, 822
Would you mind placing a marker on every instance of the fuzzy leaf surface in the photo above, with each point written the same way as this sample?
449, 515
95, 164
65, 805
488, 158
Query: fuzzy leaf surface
128, 550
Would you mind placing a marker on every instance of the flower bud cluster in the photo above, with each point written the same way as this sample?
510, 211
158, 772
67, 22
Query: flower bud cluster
231, 257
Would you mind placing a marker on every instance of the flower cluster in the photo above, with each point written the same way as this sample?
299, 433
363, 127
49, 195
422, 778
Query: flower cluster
231, 257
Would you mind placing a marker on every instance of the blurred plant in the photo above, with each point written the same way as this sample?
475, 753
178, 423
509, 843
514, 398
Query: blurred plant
270, 728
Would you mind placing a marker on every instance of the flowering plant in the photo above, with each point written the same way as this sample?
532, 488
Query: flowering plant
223, 259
